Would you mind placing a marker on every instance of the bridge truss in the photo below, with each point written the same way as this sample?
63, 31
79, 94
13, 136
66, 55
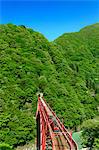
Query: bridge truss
51, 133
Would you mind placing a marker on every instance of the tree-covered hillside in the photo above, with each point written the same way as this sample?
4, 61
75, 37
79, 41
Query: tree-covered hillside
81, 52
65, 70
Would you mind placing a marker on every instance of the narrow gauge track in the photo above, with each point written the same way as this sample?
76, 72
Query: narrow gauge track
61, 141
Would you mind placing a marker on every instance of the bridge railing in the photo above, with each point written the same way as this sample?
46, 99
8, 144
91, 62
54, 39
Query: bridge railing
41, 107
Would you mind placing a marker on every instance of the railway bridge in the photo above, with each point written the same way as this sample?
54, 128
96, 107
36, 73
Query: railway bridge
51, 133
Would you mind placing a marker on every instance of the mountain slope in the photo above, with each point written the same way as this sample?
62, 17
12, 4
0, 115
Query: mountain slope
20, 49
65, 70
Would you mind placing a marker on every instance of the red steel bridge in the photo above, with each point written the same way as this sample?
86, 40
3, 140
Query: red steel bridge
51, 133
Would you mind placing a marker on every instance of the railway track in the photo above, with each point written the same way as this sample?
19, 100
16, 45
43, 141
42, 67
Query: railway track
62, 145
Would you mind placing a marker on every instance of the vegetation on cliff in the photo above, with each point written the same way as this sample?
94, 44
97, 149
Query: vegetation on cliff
65, 70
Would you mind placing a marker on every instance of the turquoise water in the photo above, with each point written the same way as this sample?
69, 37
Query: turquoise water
77, 138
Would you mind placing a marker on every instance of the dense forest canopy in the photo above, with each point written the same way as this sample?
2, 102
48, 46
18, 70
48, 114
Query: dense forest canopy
65, 70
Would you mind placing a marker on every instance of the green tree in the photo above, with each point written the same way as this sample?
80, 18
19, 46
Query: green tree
90, 133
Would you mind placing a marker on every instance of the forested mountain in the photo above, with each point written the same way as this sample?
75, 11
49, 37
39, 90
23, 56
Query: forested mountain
65, 70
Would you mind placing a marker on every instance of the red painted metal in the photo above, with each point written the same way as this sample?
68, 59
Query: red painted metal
53, 134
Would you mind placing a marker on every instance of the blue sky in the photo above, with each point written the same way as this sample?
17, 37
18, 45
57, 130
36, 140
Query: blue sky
52, 18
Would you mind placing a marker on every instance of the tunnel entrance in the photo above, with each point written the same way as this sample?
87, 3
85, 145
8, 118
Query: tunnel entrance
38, 131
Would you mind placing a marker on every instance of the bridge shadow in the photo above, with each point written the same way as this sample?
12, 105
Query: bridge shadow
38, 131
